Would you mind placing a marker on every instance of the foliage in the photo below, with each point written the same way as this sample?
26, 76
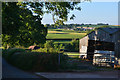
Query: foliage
50, 47
20, 26
60, 10
58, 47
35, 61
67, 45
22, 21
46, 50
73, 46
7, 53
40, 50
49, 44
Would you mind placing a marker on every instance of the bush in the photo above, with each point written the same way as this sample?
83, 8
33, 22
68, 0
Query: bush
46, 50
7, 53
36, 61
73, 46
49, 44
41, 50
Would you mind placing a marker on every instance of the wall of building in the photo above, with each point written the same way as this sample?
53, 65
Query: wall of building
116, 39
101, 35
83, 43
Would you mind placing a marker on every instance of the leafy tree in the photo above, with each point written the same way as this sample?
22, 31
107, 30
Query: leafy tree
9, 22
22, 27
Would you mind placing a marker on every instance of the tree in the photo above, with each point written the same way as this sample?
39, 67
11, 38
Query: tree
22, 27
59, 10
10, 18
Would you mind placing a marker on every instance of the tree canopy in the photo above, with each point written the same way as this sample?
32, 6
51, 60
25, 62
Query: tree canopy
21, 21
20, 27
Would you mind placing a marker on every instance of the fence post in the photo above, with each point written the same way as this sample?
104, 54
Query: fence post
59, 59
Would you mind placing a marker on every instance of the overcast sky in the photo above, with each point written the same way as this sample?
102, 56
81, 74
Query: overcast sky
92, 12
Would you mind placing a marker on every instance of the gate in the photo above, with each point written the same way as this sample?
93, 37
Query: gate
104, 58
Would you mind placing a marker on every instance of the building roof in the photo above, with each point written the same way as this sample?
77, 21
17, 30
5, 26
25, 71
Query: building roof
110, 30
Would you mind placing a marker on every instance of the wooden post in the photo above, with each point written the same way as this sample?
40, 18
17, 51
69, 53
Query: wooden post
59, 59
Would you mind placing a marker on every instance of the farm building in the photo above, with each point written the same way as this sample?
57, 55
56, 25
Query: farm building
101, 40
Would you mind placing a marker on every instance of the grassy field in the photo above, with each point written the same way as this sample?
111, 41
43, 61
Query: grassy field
72, 54
62, 42
63, 34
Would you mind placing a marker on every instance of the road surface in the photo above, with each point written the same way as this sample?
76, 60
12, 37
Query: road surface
102, 74
9, 71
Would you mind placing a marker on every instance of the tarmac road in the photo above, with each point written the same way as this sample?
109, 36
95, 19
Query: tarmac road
11, 72
102, 75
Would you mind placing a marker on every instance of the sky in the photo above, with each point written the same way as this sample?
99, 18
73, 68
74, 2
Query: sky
91, 13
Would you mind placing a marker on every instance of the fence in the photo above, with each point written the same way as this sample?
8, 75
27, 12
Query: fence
104, 58
77, 61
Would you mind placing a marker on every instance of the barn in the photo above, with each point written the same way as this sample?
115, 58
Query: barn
101, 40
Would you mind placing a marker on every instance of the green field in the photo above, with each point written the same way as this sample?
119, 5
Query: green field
62, 42
68, 34
72, 54
64, 34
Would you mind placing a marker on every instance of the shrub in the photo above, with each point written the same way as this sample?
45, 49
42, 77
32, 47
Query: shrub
46, 62
48, 50
63, 61
49, 44
73, 46
7, 53
41, 50
36, 61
